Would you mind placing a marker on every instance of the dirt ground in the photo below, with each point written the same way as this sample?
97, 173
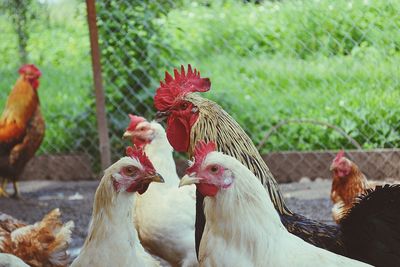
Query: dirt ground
75, 202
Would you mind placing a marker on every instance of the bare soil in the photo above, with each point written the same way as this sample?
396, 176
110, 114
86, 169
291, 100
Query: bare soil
75, 201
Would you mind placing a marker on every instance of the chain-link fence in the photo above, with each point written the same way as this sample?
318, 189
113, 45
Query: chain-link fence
297, 75
58, 44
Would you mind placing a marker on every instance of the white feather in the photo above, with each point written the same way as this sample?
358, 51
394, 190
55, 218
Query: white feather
165, 214
243, 228
112, 241
9, 260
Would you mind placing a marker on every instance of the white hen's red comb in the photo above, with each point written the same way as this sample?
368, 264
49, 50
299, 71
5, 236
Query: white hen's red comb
135, 120
138, 153
201, 150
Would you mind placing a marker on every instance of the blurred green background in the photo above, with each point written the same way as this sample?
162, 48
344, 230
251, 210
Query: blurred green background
336, 62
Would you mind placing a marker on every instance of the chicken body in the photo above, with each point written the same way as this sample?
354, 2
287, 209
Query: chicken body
112, 240
42, 244
22, 127
165, 215
9, 260
263, 240
348, 182
191, 118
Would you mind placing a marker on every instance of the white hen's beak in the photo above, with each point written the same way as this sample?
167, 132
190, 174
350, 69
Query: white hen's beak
188, 180
128, 134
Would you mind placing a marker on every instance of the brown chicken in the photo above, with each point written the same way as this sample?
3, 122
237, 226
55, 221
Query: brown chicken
348, 182
22, 127
44, 243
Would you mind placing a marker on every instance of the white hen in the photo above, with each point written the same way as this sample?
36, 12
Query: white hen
9, 260
165, 215
232, 193
112, 241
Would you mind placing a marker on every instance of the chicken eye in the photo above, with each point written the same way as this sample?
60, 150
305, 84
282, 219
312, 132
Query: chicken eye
184, 105
130, 170
214, 169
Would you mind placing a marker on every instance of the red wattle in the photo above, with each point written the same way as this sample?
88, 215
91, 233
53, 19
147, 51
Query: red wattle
178, 134
139, 142
35, 83
143, 188
209, 190
139, 187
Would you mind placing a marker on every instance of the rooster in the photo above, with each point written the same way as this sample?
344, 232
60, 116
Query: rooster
112, 240
232, 193
43, 244
191, 118
166, 230
22, 127
348, 182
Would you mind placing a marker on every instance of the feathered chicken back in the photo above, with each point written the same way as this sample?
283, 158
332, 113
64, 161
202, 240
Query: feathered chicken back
43, 244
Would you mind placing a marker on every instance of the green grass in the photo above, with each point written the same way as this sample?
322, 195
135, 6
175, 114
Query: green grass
332, 62
360, 96
60, 48
64, 95
335, 62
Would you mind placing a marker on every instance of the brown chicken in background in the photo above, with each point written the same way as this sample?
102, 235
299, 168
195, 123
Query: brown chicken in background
348, 182
22, 127
44, 243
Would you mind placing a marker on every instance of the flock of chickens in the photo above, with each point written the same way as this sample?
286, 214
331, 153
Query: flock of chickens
226, 211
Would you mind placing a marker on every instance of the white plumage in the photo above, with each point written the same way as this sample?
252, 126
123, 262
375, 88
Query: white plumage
262, 240
9, 260
112, 240
165, 215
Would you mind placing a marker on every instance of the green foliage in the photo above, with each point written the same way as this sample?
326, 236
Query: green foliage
359, 96
335, 62
332, 61
299, 29
21, 13
132, 55
59, 46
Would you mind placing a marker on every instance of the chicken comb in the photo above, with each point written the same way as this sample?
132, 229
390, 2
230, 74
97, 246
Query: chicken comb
201, 150
138, 153
135, 120
181, 84
30, 69
339, 156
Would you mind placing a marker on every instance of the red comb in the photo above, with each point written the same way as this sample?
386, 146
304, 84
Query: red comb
30, 68
339, 156
181, 84
135, 120
200, 152
138, 153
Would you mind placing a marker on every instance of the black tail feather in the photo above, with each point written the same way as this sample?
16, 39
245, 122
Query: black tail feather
371, 228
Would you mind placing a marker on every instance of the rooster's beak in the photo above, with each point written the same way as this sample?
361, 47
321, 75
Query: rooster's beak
156, 178
188, 180
162, 115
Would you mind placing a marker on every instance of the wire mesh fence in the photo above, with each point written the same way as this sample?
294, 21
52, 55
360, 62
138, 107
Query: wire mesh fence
297, 75
58, 44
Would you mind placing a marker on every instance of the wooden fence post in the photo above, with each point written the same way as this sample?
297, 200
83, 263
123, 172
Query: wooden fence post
105, 152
